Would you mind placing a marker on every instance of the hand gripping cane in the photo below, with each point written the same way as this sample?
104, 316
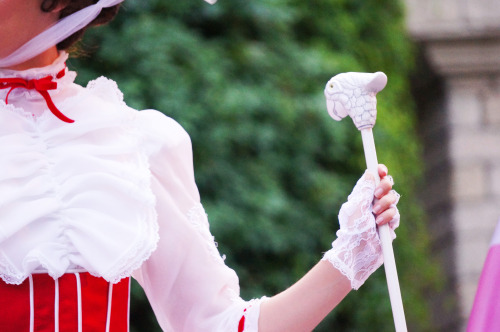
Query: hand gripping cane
353, 94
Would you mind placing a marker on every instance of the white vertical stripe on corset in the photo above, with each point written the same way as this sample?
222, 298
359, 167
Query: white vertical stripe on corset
32, 305
128, 304
110, 300
56, 306
79, 300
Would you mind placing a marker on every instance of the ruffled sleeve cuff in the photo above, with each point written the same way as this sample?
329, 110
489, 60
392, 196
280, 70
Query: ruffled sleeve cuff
249, 321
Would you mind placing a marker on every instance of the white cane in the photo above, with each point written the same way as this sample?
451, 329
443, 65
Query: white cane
354, 94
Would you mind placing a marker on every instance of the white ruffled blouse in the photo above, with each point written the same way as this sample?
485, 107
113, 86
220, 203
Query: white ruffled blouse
113, 194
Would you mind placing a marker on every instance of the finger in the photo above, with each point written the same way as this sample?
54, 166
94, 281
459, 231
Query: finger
385, 202
386, 216
382, 170
397, 195
390, 179
384, 187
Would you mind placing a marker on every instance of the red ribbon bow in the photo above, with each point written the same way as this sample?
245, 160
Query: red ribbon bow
42, 86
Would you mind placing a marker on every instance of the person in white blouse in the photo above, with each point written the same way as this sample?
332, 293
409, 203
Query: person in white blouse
93, 192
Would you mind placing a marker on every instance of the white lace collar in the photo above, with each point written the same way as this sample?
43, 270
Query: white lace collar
36, 73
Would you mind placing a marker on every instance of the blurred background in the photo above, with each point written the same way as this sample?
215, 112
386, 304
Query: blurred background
246, 79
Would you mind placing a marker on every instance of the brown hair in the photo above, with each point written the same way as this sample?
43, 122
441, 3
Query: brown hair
71, 6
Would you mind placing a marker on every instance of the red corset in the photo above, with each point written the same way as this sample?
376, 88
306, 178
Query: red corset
76, 302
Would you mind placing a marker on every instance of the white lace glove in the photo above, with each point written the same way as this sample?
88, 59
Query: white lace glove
357, 251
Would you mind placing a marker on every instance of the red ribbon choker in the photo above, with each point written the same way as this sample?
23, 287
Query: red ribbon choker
42, 86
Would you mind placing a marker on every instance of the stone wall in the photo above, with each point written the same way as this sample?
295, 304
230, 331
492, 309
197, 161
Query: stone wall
458, 96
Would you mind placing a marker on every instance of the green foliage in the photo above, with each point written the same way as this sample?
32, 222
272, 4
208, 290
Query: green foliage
246, 79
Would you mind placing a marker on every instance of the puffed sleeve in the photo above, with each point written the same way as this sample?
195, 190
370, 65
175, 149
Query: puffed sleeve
186, 281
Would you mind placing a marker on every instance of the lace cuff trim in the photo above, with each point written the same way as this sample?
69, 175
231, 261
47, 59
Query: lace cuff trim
249, 321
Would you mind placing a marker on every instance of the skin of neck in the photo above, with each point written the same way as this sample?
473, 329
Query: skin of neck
42, 60
21, 21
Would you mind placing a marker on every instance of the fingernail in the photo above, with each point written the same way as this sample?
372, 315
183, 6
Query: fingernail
376, 209
378, 192
379, 220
